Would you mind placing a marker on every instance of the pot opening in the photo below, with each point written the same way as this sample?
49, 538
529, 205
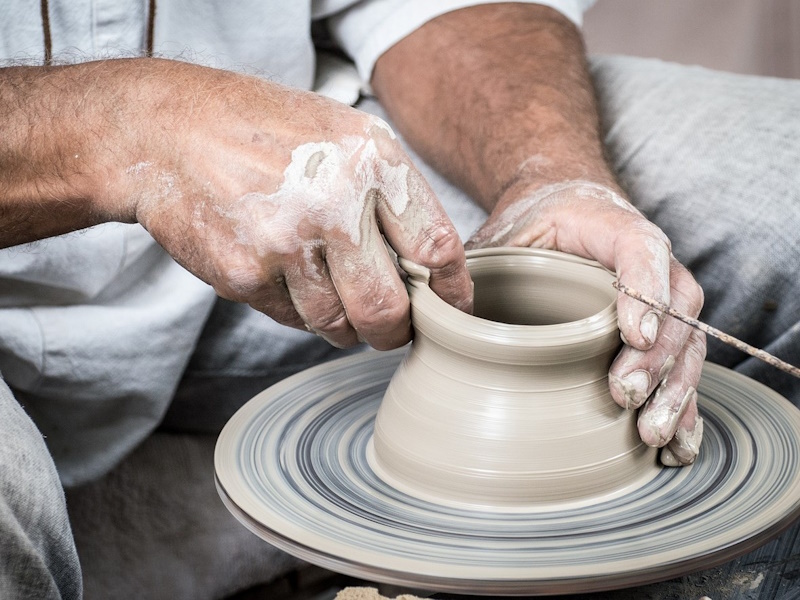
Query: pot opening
517, 296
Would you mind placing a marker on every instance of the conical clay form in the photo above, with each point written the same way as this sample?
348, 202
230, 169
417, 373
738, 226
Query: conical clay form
510, 408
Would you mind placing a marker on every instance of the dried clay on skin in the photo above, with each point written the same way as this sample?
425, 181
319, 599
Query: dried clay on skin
520, 214
377, 122
634, 387
166, 191
663, 420
329, 185
684, 448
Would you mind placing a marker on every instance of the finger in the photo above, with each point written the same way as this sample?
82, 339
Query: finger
274, 301
642, 262
371, 291
635, 373
261, 284
419, 230
684, 447
660, 416
497, 230
316, 299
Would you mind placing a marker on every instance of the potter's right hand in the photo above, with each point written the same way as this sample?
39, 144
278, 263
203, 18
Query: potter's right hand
275, 197
659, 366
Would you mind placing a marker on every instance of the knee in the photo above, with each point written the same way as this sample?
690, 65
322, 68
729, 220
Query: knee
39, 557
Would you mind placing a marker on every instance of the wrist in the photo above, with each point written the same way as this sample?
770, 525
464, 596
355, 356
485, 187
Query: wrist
64, 133
44, 191
128, 119
547, 216
530, 181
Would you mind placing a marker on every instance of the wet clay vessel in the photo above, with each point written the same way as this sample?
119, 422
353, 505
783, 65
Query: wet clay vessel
510, 406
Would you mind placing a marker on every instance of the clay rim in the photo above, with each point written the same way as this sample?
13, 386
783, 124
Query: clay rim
443, 322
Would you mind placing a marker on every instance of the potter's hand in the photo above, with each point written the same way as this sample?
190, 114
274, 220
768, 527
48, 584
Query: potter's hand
659, 366
280, 198
276, 197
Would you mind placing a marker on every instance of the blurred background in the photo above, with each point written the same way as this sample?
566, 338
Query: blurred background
759, 37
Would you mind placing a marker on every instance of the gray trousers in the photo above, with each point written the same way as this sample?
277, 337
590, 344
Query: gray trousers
712, 158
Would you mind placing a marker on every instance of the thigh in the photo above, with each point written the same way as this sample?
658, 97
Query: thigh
713, 159
37, 553
240, 353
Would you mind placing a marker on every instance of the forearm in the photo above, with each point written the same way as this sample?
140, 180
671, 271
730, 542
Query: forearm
271, 195
496, 97
71, 138
52, 131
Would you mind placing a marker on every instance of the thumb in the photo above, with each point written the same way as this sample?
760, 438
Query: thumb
423, 233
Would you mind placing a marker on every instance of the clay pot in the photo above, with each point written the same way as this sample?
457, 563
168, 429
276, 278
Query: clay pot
510, 407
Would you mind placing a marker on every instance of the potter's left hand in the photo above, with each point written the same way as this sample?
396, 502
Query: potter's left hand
659, 366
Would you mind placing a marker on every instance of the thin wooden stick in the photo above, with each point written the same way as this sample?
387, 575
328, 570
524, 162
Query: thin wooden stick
712, 331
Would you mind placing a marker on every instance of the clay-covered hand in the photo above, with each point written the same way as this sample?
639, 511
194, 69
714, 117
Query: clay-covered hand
282, 199
659, 367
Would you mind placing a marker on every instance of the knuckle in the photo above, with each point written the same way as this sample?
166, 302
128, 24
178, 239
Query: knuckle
696, 300
440, 247
375, 126
376, 130
695, 348
382, 315
688, 293
647, 230
241, 279
330, 322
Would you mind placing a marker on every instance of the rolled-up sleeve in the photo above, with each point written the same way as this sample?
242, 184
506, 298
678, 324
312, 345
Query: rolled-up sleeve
368, 28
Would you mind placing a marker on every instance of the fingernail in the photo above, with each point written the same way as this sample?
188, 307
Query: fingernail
663, 420
633, 387
649, 327
685, 446
666, 368
668, 459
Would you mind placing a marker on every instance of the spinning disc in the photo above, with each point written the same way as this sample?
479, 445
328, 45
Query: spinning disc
292, 465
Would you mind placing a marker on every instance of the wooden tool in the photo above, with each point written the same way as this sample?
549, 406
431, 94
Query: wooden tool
712, 331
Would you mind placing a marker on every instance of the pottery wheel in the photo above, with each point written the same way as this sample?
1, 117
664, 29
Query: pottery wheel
292, 465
